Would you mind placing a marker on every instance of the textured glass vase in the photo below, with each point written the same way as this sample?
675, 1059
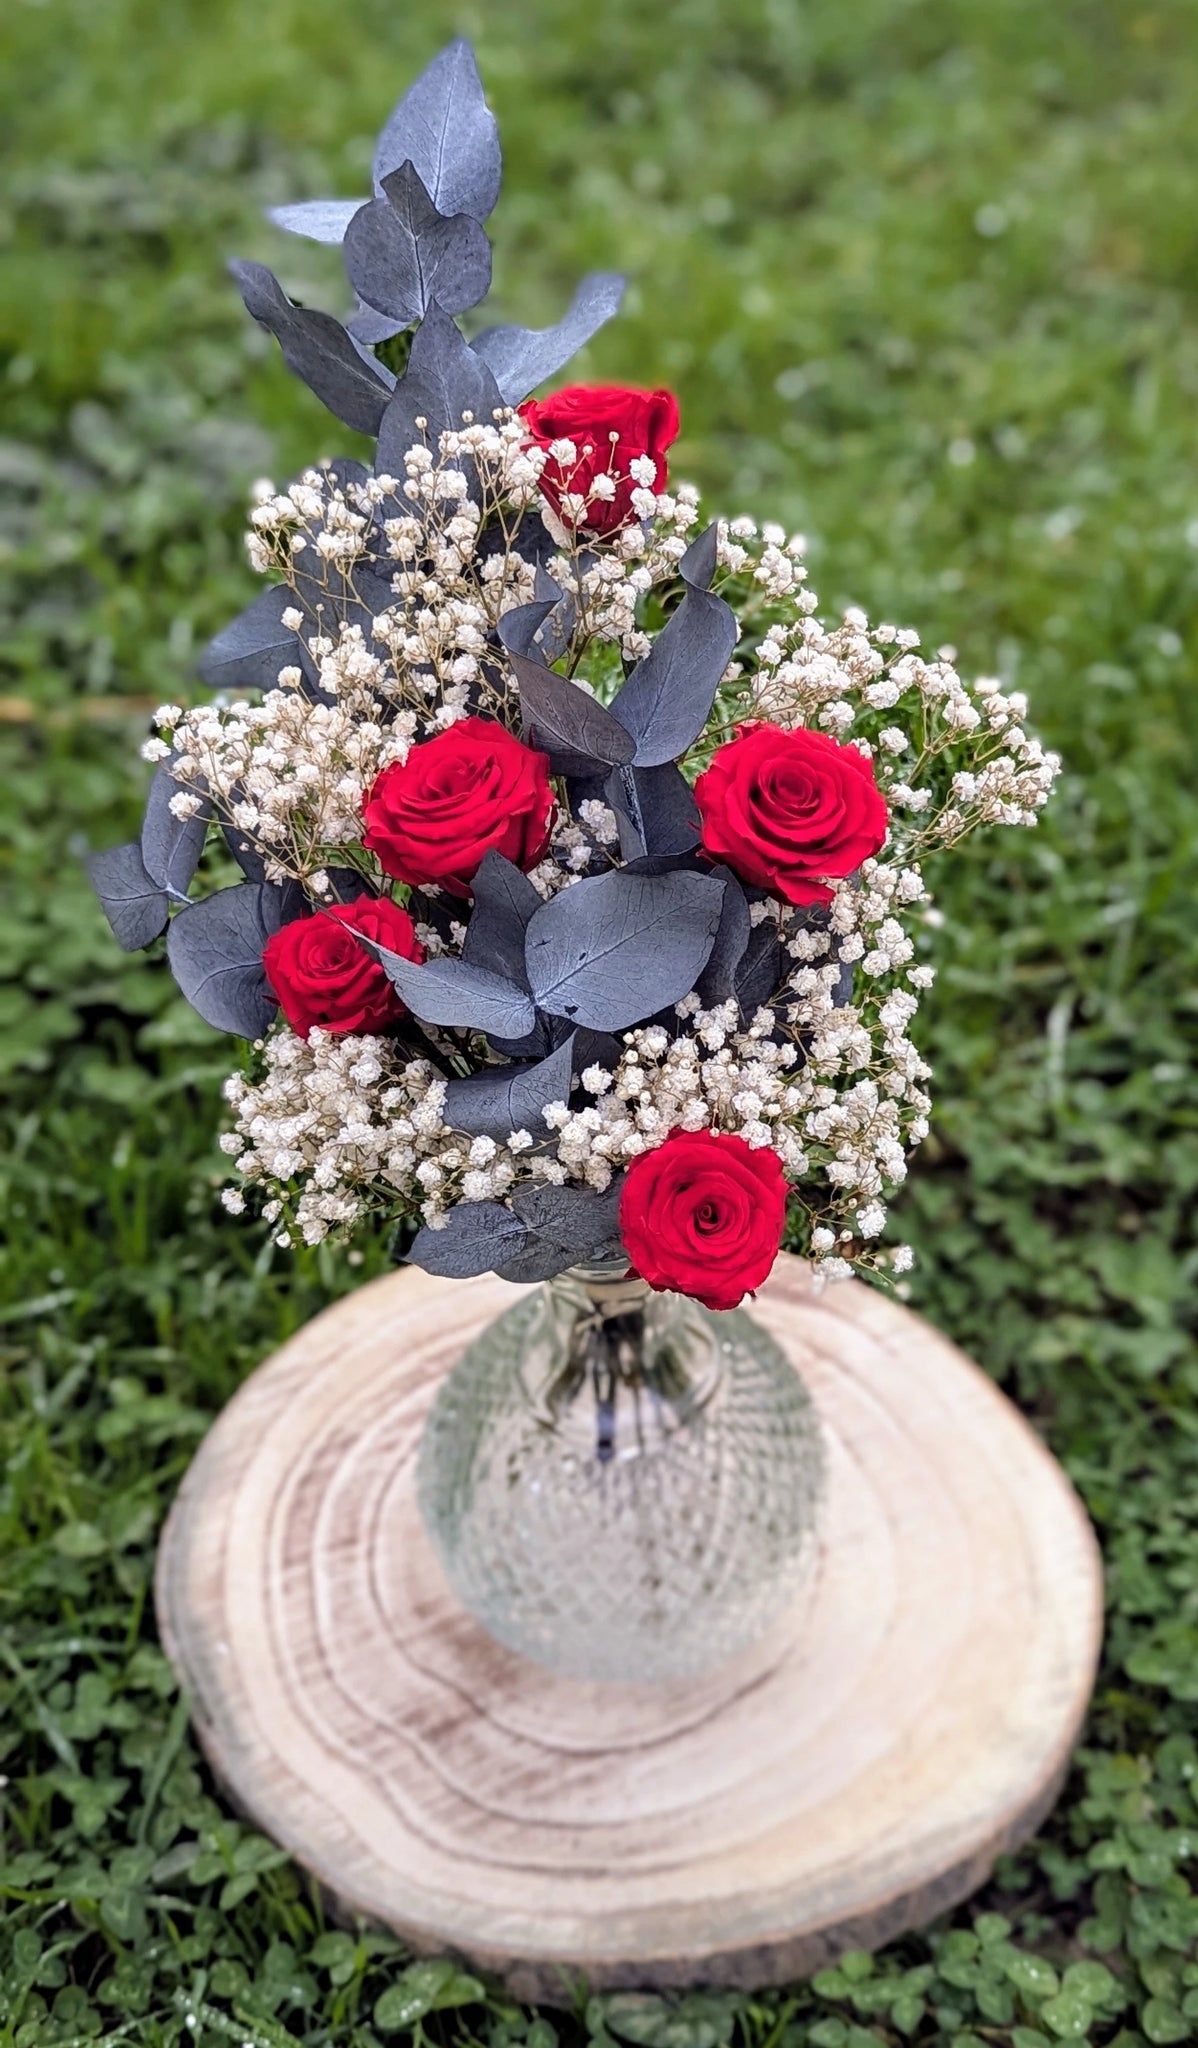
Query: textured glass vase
620, 1483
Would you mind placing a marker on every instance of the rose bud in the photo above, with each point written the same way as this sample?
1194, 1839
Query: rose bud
789, 811
703, 1214
610, 426
321, 975
474, 787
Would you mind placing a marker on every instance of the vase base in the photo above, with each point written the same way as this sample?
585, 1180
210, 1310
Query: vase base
908, 1718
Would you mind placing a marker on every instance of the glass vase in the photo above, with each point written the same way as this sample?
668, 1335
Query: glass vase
622, 1484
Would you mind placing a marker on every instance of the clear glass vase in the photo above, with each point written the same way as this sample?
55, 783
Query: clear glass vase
622, 1484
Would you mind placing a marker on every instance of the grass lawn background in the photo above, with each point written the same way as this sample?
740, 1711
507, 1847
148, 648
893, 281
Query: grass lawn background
925, 277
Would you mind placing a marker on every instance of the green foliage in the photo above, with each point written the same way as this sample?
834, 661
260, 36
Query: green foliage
925, 278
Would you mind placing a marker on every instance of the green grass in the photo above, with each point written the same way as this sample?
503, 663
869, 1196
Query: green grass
926, 279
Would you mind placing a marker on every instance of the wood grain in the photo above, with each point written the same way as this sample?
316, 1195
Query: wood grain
856, 1773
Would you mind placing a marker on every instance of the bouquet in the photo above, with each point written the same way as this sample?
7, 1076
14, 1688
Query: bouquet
581, 886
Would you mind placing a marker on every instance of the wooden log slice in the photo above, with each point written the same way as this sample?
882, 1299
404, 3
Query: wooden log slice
857, 1772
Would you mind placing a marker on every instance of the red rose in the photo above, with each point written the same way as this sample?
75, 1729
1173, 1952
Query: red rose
787, 810
610, 425
432, 817
703, 1214
321, 975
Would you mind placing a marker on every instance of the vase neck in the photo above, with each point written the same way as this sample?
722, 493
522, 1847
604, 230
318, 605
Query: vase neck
613, 1367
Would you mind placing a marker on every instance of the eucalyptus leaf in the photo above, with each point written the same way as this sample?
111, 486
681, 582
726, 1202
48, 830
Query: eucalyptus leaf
322, 592
504, 901
564, 1225
321, 220
170, 846
499, 1100
532, 1045
446, 991
244, 852
248, 653
578, 1219
698, 564
366, 327
668, 809
215, 954
443, 380
366, 594
474, 1236
616, 948
669, 864
667, 699
624, 797
535, 1258
595, 1049
517, 630
318, 349
758, 973
554, 636
444, 127
655, 810
346, 885
717, 983
555, 633
546, 1035
400, 253
566, 723
136, 908
523, 357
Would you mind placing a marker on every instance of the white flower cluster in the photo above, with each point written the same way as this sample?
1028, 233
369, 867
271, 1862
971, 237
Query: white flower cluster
391, 619
849, 679
289, 770
715, 1076
288, 774
399, 585
333, 1117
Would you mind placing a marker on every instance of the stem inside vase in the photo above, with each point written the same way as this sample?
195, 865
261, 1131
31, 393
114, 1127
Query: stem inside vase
614, 1367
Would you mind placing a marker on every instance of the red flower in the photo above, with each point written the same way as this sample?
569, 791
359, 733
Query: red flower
610, 425
321, 975
787, 810
703, 1214
475, 786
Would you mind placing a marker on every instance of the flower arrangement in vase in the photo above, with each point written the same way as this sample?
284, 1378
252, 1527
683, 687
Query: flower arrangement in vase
581, 896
